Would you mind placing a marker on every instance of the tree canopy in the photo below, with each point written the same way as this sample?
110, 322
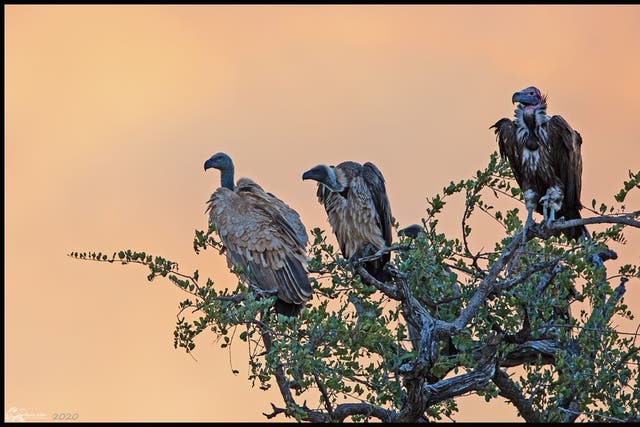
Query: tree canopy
530, 320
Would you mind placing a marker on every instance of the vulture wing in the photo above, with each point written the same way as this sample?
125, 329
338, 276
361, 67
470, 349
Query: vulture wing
565, 144
289, 218
375, 182
505, 131
262, 241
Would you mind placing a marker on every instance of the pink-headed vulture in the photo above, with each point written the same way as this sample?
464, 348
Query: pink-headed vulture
544, 155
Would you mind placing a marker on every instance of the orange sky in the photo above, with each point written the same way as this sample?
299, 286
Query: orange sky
110, 112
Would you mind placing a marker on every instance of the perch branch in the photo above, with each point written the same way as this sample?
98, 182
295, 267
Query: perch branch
510, 391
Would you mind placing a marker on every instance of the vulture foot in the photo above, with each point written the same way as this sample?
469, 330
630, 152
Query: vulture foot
552, 216
549, 208
527, 224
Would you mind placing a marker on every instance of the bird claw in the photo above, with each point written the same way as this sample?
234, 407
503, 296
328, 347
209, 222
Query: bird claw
552, 217
548, 211
527, 225
544, 200
525, 228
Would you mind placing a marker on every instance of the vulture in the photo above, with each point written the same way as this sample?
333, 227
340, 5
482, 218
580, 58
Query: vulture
261, 234
412, 231
544, 155
356, 202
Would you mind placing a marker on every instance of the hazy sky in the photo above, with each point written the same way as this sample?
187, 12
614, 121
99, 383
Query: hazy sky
110, 112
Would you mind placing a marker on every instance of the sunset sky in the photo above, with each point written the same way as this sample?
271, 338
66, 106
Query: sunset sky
111, 111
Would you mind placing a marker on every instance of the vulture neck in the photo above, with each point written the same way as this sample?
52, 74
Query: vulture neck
531, 119
226, 177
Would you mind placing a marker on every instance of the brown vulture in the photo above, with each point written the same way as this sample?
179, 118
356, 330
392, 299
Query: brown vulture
544, 155
261, 234
356, 202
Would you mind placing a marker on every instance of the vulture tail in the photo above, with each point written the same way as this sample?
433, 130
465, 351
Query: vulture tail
287, 309
574, 233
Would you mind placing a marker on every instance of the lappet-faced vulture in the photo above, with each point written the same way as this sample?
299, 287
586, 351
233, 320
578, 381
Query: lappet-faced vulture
544, 154
357, 205
261, 234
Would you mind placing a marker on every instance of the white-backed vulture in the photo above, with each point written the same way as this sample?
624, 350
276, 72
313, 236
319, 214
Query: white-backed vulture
357, 205
544, 155
261, 234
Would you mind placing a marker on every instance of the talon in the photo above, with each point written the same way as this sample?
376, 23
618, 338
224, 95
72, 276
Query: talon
544, 200
527, 225
552, 217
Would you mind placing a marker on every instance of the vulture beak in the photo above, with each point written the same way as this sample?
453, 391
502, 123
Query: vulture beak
521, 97
324, 175
208, 164
524, 97
314, 174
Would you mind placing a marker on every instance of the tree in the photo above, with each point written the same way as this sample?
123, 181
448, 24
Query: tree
529, 320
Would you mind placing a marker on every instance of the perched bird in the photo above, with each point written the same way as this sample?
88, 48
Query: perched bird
544, 155
412, 231
261, 234
357, 205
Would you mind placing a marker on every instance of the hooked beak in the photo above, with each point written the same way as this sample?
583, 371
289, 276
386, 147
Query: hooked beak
312, 174
208, 164
524, 97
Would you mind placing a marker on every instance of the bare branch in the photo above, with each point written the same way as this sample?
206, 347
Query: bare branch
281, 379
486, 287
348, 409
508, 284
545, 231
576, 414
458, 385
276, 412
625, 219
385, 288
510, 391
530, 351
340, 413
382, 251
325, 394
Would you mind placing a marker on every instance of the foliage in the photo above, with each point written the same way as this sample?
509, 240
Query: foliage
529, 322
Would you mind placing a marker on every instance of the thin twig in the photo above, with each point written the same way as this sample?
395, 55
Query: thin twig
606, 417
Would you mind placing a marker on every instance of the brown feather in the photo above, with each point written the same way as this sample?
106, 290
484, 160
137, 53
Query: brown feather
265, 237
360, 215
559, 164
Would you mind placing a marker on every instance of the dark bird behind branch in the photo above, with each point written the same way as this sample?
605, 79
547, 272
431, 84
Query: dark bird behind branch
263, 235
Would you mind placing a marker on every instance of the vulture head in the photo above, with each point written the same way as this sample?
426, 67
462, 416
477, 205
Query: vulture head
411, 231
324, 175
529, 96
219, 161
223, 163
